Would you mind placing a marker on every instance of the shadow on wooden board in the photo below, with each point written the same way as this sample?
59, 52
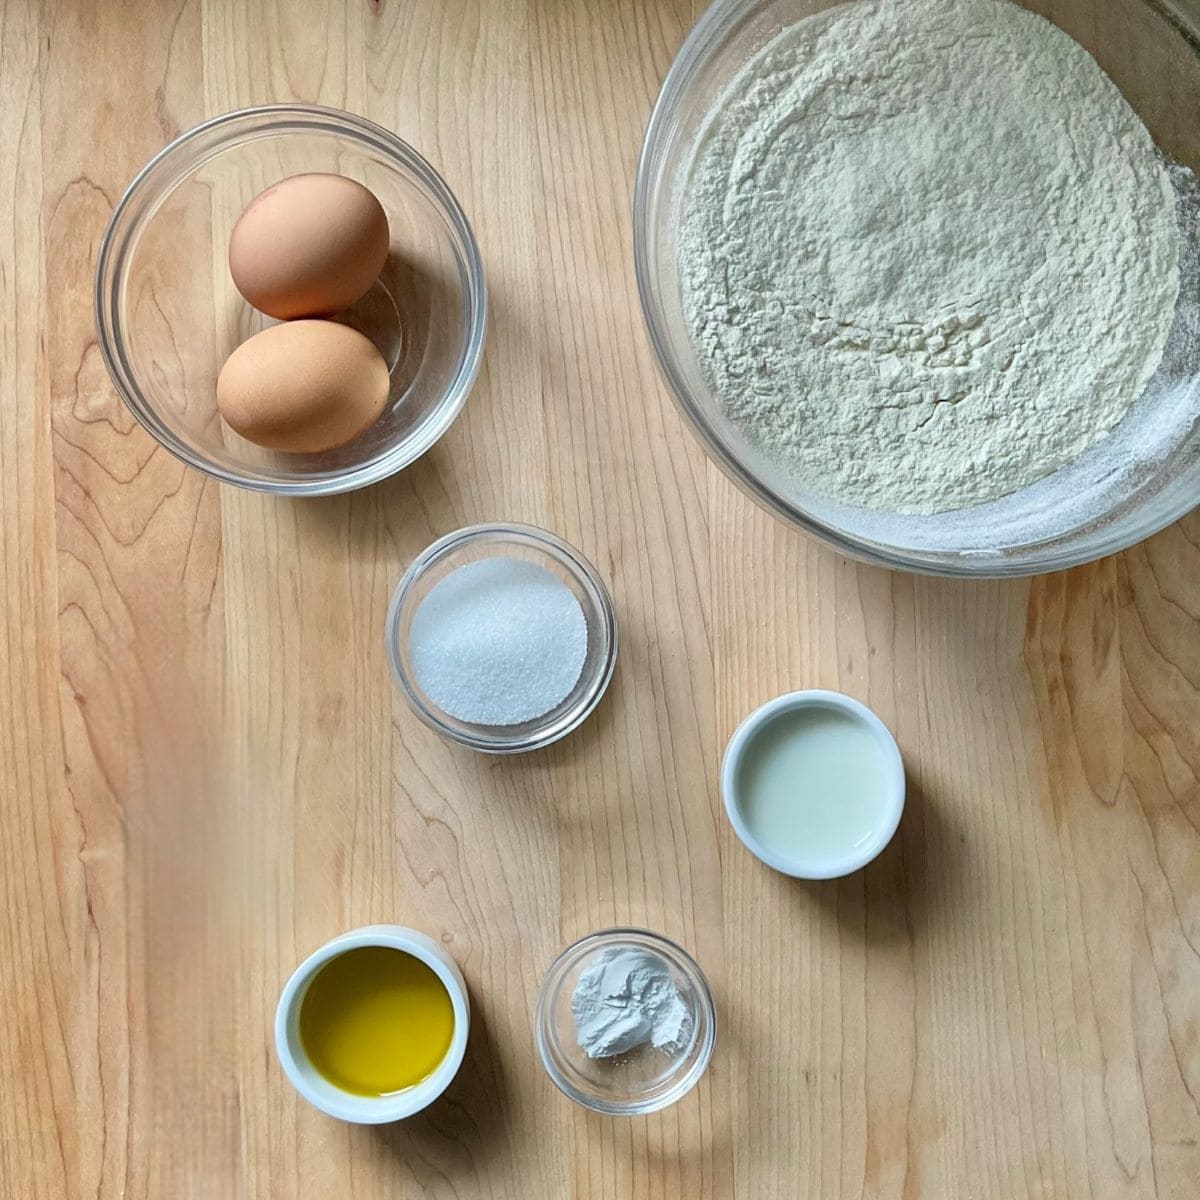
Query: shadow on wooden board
914, 884
457, 1134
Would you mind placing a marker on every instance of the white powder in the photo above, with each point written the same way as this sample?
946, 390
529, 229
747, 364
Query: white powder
928, 253
626, 997
499, 641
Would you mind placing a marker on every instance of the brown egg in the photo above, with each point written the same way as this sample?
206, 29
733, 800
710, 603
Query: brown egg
309, 246
303, 386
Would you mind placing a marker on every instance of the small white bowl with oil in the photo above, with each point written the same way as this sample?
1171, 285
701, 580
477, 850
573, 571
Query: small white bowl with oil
373, 1026
813, 784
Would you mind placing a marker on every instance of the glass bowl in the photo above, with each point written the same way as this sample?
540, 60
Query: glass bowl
528, 544
1151, 54
643, 1080
168, 314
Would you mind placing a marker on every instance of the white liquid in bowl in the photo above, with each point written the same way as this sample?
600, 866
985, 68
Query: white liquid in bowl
813, 784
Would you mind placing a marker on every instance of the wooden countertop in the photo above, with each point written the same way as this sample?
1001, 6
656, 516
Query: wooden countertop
204, 772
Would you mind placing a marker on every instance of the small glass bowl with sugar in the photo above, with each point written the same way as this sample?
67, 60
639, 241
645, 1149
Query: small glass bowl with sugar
502, 637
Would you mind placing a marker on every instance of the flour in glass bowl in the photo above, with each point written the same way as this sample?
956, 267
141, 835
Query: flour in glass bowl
928, 253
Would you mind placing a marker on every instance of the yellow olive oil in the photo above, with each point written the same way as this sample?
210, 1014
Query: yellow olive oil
376, 1020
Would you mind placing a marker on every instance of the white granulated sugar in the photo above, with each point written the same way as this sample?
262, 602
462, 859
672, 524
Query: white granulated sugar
498, 641
626, 997
928, 253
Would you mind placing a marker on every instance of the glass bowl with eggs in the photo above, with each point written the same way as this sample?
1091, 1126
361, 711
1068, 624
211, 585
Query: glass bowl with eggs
291, 300
924, 278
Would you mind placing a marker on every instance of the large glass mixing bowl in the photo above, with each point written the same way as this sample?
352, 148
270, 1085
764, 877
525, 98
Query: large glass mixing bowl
1151, 50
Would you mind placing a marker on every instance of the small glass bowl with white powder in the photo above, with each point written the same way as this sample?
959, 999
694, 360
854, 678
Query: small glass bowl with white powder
502, 637
625, 1022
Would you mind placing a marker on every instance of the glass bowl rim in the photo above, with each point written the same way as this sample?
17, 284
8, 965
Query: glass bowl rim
713, 25
584, 573
138, 205
676, 956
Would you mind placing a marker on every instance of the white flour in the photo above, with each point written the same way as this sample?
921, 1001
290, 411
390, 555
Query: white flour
626, 998
928, 253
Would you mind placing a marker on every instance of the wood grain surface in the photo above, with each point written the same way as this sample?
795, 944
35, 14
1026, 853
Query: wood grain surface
204, 772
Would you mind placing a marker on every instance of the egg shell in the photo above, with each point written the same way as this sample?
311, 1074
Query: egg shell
303, 386
309, 246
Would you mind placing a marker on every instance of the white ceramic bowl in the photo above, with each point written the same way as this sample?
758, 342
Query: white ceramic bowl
318, 1091
891, 804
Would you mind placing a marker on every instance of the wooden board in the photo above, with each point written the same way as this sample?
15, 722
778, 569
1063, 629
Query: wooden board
204, 772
